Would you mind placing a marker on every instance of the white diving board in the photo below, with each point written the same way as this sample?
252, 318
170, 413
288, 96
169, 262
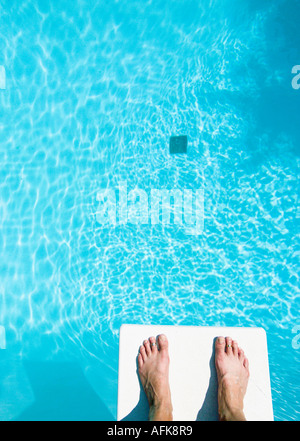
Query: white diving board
193, 380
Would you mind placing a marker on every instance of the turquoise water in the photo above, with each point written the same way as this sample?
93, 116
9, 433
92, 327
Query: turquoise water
94, 90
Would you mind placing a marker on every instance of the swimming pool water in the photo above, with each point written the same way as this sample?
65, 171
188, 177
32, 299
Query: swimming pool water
93, 92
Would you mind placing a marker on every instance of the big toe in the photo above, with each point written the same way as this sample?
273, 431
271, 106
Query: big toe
163, 344
220, 347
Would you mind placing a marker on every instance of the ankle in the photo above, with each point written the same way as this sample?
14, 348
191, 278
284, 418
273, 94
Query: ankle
230, 399
232, 415
162, 411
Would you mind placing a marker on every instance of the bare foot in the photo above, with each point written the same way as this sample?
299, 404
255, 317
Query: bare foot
153, 367
233, 374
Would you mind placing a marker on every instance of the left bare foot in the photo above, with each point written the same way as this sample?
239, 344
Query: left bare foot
153, 364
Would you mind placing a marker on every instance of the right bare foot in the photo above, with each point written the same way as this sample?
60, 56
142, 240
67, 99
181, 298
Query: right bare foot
233, 374
153, 364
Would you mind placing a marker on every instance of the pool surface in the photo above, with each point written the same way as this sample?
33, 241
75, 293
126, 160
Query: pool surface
91, 92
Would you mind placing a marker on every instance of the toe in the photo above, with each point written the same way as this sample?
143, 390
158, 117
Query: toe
246, 363
235, 348
147, 347
241, 355
153, 345
163, 344
220, 347
229, 345
140, 361
143, 353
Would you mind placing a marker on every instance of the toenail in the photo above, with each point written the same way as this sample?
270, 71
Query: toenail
221, 340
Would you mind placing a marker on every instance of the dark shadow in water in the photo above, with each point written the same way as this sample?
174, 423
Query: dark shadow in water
209, 409
62, 393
